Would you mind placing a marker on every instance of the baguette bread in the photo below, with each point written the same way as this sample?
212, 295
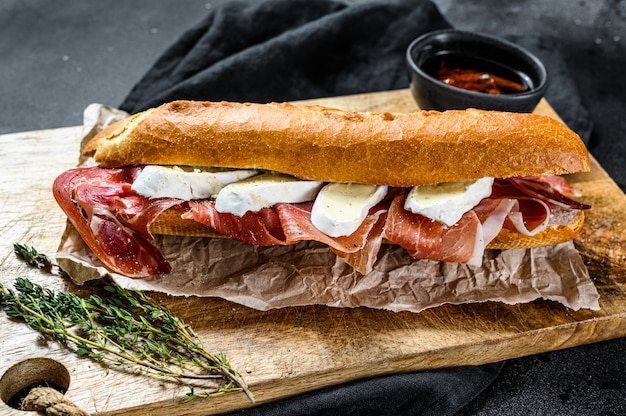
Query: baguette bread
318, 143
330, 145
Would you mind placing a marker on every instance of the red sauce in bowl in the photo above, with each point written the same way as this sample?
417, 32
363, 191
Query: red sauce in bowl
477, 75
479, 81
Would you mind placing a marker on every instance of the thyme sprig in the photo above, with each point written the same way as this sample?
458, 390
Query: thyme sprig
123, 327
32, 257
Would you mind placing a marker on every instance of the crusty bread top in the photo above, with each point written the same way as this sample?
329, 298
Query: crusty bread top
313, 142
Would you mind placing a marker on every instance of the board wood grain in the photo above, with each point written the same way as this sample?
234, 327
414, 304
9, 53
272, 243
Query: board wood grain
289, 351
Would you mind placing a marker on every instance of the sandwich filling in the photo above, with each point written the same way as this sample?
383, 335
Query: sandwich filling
113, 209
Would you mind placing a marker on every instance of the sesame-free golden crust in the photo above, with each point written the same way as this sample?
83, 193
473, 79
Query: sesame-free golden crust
312, 142
551, 235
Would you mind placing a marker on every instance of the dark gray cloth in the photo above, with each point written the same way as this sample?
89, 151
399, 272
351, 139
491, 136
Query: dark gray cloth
430, 393
283, 50
562, 93
288, 50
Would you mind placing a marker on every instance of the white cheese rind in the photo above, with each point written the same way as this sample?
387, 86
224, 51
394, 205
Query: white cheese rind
175, 182
340, 208
447, 202
263, 191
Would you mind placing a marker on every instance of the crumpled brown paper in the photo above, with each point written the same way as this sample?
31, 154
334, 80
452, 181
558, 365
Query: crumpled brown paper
309, 273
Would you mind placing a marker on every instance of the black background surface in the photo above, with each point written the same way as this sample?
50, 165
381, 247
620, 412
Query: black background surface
56, 57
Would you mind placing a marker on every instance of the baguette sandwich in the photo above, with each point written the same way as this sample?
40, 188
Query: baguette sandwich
445, 186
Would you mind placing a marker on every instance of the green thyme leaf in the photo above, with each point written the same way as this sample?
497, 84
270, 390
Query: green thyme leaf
122, 328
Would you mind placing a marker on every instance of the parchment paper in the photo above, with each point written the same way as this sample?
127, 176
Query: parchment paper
309, 273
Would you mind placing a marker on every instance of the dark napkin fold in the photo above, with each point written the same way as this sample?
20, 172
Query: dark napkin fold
430, 393
285, 50
288, 50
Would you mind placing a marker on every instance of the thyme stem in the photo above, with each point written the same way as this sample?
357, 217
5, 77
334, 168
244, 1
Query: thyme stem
124, 328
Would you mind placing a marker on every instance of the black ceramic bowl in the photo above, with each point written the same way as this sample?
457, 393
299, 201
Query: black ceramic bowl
500, 59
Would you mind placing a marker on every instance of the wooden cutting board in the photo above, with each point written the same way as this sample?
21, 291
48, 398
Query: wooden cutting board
289, 351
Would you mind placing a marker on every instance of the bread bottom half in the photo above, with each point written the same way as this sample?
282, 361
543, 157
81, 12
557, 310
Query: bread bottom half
564, 226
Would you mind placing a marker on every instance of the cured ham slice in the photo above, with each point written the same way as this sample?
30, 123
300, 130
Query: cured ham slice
541, 189
544, 191
261, 228
465, 241
136, 211
528, 217
425, 238
291, 223
531, 213
91, 198
492, 214
296, 221
358, 249
364, 259
558, 183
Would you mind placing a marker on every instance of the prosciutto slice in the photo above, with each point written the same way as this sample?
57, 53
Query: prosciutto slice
466, 241
261, 228
530, 214
112, 220
425, 238
542, 190
557, 183
492, 214
291, 223
296, 221
358, 249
